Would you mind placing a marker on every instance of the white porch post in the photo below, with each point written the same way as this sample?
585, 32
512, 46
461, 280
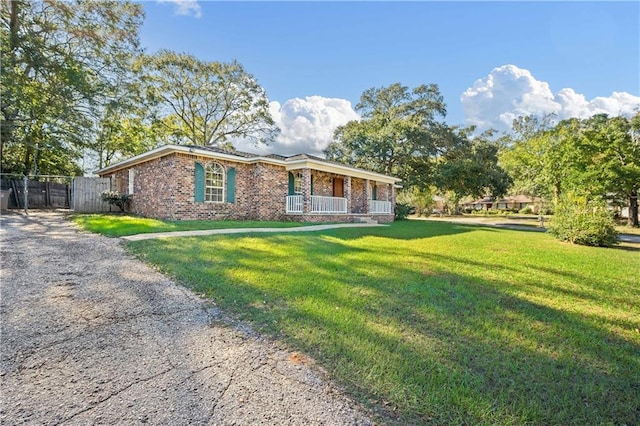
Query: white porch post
347, 192
306, 190
392, 198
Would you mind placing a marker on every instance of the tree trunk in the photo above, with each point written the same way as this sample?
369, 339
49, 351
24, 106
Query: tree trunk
632, 220
27, 160
557, 190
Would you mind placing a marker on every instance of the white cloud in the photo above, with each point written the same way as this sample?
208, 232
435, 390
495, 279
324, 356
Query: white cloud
307, 125
508, 92
185, 7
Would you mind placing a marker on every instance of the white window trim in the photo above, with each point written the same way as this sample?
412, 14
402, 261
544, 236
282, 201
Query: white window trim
132, 174
224, 183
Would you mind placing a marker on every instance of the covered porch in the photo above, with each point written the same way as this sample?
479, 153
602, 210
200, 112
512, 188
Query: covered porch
320, 192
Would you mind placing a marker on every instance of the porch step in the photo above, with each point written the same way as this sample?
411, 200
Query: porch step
364, 219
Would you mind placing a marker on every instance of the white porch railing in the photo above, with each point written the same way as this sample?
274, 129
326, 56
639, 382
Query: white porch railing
319, 204
295, 204
382, 207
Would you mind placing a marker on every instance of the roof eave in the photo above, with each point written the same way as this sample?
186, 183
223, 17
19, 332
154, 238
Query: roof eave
289, 165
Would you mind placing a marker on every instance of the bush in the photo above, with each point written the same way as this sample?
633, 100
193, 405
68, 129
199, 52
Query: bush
403, 210
580, 221
526, 210
116, 198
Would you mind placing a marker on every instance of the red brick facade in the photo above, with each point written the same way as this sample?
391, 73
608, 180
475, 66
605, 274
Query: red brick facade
164, 188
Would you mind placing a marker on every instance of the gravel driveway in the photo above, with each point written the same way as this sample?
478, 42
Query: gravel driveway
90, 335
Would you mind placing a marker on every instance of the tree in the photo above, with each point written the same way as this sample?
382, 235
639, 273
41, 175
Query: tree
398, 134
206, 103
540, 156
59, 60
598, 158
612, 149
470, 168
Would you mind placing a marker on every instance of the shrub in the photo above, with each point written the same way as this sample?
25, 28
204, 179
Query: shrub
581, 221
116, 198
526, 210
421, 200
403, 210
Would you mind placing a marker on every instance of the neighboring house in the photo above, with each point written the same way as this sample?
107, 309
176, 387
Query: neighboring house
517, 202
195, 182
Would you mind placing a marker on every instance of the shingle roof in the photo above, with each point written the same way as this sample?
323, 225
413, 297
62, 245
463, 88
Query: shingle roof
224, 151
274, 156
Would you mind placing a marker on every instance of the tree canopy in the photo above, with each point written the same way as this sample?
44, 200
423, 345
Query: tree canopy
61, 60
398, 133
75, 85
598, 157
206, 103
402, 133
470, 168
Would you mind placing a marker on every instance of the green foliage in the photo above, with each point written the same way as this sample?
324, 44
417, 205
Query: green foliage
581, 221
403, 211
526, 210
470, 168
206, 103
116, 198
398, 135
437, 323
421, 200
61, 62
599, 156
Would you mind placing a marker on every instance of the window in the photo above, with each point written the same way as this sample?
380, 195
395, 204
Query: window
214, 183
297, 183
373, 191
131, 176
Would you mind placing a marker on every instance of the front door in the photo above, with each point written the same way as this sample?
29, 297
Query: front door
338, 187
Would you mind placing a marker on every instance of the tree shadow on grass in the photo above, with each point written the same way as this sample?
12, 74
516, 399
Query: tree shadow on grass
403, 230
426, 340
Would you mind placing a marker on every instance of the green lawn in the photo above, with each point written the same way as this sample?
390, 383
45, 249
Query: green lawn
438, 323
117, 225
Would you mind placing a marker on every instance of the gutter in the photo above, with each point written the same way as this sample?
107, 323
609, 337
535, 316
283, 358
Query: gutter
288, 165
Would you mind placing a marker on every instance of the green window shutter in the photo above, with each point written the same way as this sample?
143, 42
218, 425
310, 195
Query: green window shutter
199, 183
231, 185
291, 183
311, 184
375, 193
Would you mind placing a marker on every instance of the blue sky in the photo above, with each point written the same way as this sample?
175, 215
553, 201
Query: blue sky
491, 60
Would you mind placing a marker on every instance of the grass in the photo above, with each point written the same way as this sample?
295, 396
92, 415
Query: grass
116, 225
523, 220
438, 323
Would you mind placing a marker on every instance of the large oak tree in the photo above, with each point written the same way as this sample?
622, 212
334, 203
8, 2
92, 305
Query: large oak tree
399, 134
206, 103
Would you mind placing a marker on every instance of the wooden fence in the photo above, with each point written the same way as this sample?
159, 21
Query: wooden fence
82, 194
45, 194
86, 194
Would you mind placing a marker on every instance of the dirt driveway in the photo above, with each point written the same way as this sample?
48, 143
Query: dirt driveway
90, 335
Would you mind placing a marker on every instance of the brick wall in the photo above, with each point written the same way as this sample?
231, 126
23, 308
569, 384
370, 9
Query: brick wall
358, 201
164, 188
269, 187
322, 183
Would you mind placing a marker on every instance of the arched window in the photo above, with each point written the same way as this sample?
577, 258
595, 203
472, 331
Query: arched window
214, 183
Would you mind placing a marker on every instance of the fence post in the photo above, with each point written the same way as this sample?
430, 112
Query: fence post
25, 182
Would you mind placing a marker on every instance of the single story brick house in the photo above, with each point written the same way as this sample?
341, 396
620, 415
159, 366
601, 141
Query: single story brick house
516, 202
179, 182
